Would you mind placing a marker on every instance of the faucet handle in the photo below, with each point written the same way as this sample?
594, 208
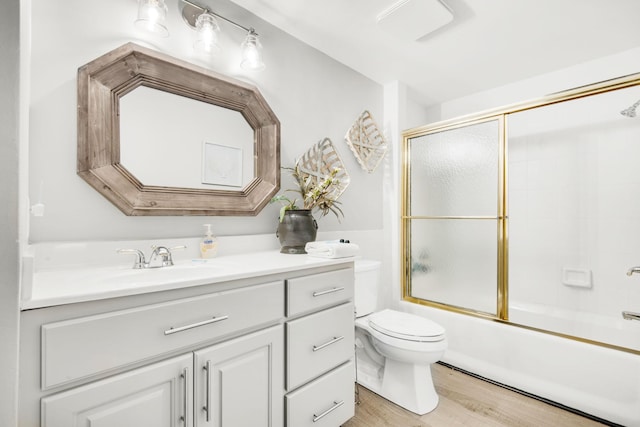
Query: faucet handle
139, 262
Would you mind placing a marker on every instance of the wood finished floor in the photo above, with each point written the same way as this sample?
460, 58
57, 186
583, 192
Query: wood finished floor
465, 401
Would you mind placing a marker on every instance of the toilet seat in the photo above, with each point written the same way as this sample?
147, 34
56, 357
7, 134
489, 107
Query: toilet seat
406, 326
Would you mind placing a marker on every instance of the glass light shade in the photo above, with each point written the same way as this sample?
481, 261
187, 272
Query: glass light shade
251, 53
152, 15
207, 34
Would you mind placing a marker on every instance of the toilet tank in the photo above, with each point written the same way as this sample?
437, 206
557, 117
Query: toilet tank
367, 278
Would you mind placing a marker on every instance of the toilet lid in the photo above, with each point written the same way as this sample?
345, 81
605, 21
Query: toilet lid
406, 326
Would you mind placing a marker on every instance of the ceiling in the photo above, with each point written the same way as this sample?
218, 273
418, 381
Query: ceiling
488, 43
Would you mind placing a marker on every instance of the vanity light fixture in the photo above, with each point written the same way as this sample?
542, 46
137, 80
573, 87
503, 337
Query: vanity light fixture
251, 52
205, 22
152, 15
207, 30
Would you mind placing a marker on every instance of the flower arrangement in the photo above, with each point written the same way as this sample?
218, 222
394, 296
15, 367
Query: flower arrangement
315, 196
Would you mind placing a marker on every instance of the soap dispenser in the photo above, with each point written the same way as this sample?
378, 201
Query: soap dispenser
209, 245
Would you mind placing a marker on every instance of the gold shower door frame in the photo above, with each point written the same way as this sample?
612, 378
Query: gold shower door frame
502, 301
502, 115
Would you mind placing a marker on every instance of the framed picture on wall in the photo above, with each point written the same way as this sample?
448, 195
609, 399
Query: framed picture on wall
221, 165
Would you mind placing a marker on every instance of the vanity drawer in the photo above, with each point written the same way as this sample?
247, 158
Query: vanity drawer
311, 293
317, 343
327, 401
78, 348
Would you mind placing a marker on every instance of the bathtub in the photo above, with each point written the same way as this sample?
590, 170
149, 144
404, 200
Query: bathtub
595, 327
596, 380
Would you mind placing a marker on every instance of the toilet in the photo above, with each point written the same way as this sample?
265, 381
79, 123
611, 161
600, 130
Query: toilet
394, 350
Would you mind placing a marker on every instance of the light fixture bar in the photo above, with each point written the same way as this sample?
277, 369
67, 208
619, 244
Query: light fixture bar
191, 20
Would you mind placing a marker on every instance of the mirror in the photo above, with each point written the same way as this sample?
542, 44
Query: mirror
216, 143
159, 136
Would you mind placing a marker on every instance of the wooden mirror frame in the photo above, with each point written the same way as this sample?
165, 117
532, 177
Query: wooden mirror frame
101, 84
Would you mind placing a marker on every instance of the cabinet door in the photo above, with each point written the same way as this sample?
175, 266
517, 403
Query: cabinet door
158, 395
240, 382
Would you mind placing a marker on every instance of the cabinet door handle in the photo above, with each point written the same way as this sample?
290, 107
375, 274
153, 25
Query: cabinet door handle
173, 330
184, 376
335, 406
207, 402
328, 343
328, 291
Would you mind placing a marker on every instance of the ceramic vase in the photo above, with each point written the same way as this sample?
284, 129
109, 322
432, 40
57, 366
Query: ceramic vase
296, 229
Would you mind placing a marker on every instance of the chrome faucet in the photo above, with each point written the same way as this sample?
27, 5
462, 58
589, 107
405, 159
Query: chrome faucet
633, 270
161, 252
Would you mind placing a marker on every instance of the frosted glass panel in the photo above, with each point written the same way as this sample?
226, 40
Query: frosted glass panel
455, 262
455, 172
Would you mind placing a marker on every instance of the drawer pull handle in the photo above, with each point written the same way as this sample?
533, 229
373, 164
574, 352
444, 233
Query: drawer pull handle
328, 343
173, 330
328, 291
335, 406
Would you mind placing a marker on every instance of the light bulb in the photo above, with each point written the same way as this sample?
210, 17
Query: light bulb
152, 15
251, 54
207, 34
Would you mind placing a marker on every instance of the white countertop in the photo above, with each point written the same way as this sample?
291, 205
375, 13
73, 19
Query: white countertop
72, 285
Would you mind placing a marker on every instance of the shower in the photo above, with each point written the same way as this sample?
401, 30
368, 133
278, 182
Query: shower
631, 111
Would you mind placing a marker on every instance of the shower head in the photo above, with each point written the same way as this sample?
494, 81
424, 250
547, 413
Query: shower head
631, 111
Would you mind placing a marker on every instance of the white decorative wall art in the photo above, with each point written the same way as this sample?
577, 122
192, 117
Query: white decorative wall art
318, 162
366, 141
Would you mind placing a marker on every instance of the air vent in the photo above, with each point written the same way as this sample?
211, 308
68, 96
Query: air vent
411, 20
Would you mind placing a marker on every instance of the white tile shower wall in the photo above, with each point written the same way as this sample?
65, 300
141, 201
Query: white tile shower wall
571, 204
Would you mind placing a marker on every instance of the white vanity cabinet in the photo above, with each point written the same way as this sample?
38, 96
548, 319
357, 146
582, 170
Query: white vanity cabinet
270, 350
320, 347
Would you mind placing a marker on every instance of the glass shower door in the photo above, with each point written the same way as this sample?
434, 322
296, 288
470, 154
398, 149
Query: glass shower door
452, 216
530, 214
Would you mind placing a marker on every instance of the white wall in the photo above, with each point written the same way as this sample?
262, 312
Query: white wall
312, 95
9, 160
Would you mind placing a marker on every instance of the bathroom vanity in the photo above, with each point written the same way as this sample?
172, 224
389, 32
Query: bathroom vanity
262, 339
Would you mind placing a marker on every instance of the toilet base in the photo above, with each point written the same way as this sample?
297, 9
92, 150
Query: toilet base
407, 385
